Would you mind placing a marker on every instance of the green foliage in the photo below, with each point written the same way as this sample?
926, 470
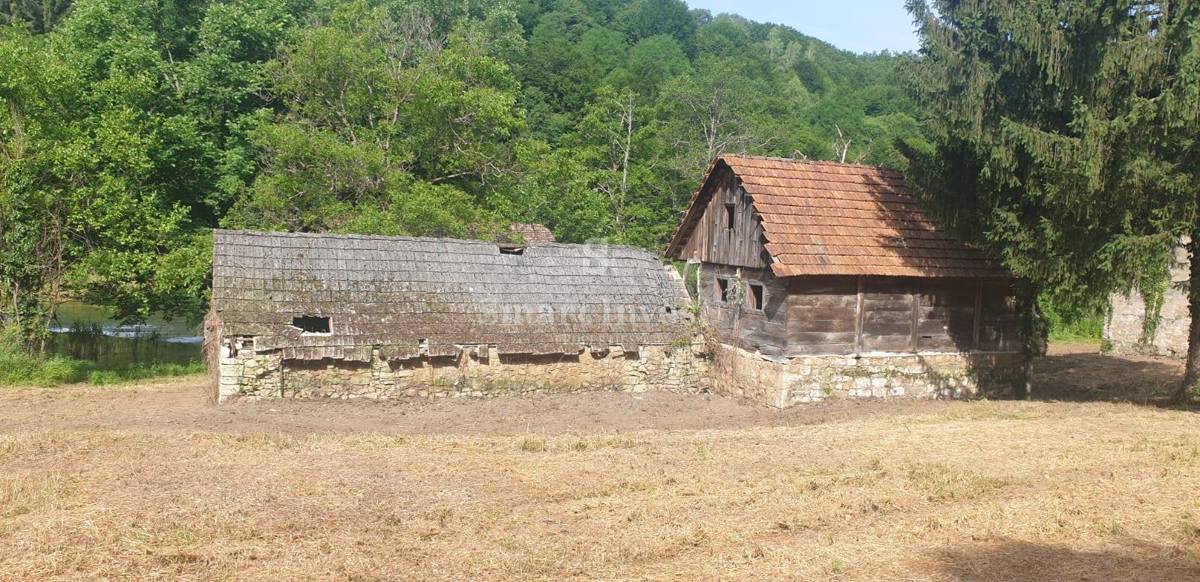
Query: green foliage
39, 15
1065, 134
1072, 324
1153, 290
143, 372
1066, 140
20, 369
130, 128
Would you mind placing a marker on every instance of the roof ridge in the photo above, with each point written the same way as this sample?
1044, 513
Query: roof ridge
805, 161
417, 239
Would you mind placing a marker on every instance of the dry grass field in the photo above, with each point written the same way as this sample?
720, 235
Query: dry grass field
146, 482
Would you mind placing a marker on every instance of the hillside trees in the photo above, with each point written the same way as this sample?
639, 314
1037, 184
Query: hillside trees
1066, 132
390, 121
112, 131
39, 15
129, 129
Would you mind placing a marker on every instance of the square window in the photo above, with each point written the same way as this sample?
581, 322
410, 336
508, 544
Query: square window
757, 296
312, 324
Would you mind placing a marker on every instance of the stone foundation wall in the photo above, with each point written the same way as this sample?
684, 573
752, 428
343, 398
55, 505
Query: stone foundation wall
479, 373
791, 381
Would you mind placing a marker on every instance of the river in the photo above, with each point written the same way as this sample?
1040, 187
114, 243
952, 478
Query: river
89, 332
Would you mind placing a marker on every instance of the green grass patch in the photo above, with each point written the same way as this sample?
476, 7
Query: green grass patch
1084, 329
143, 372
1073, 324
18, 369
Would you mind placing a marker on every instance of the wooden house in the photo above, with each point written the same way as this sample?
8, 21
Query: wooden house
822, 279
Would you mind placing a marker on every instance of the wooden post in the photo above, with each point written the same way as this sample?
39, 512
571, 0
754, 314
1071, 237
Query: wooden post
914, 339
858, 320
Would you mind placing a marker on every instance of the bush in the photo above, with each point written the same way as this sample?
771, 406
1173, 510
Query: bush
18, 369
1073, 324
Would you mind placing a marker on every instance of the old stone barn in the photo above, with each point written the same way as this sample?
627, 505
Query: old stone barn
301, 315
824, 279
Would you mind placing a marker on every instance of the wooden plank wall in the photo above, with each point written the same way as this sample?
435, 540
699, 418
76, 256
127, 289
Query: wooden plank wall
849, 315
754, 330
822, 316
946, 320
713, 242
887, 315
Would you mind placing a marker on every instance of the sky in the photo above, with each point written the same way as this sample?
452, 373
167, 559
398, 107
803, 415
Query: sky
853, 25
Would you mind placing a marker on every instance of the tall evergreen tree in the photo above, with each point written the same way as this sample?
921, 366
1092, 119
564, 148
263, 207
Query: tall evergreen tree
1066, 132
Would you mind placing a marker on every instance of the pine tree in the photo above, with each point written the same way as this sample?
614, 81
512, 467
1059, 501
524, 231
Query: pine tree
1066, 134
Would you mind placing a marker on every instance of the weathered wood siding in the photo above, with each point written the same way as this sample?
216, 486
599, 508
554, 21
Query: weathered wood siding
714, 242
822, 315
946, 321
762, 330
888, 315
862, 315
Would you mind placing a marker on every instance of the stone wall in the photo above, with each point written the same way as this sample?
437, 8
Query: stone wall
1126, 323
779, 382
790, 381
478, 372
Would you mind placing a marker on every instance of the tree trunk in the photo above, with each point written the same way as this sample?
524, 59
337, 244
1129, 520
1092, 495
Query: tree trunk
1191, 374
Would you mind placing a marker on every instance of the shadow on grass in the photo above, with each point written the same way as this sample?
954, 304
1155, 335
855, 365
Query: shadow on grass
1080, 376
1020, 561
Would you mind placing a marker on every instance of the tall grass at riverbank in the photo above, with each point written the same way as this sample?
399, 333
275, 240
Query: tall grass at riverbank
18, 368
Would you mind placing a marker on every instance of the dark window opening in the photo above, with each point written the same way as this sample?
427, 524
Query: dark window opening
723, 290
312, 324
757, 293
730, 213
512, 250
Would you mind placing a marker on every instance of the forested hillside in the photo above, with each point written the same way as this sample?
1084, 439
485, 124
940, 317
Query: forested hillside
131, 127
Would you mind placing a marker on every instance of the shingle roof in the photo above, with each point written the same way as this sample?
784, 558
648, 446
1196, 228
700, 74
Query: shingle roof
533, 234
828, 218
397, 294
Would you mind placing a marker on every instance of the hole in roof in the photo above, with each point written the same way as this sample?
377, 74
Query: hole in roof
312, 324
512, 250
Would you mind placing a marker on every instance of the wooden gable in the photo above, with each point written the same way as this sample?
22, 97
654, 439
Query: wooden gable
728, 230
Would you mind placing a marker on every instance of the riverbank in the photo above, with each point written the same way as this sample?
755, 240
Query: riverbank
17, 369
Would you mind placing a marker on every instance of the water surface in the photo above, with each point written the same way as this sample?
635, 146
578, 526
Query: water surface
89, 332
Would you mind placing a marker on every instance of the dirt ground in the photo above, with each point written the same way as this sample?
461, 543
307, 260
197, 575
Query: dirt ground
1093, 480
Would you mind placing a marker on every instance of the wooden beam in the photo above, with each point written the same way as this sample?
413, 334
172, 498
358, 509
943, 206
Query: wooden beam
858, 319
916, 315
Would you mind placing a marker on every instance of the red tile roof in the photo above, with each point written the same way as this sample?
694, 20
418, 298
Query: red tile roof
826, 218
532, 234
